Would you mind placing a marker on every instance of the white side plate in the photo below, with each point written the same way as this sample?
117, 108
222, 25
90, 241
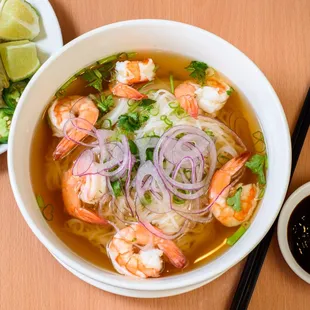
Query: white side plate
49, 40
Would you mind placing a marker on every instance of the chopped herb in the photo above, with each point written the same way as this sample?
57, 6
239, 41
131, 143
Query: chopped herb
262, 192
103, 102
130, 122
238, 234
171, 83
167, 121
235, 200
209, 132
156, 68
149, 154
48, 212
134, 240
177, 200
147, 199
229, 91
147, 102
257, 164
133, 147
94, 77
197, 71
40, 201
117, 188
106, 124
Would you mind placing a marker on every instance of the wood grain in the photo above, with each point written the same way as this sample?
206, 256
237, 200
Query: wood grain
275, 35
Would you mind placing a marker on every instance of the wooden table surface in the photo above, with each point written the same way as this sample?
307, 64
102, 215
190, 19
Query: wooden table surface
275, 35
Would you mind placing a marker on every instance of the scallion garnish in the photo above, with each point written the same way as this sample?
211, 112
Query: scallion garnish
238, 234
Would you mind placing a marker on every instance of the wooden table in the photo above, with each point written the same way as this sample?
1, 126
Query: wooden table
275, 35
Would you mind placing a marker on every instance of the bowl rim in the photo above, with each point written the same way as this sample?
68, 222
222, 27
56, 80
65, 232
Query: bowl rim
75, 261
295, 198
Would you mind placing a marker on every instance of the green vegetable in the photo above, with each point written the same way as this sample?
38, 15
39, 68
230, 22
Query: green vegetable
167, 121
229, 91
47, 210
262, 192
257, 164
12, 94
5, 123
177, 200
197, 71
209, 132
94, 77
133, 147
131, 121
171, 83
40, 201
104, 103
235, 200
117, 188
149, 154
238, 234
147, 103
106, 124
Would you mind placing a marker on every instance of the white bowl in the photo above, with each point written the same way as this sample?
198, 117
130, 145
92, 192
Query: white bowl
289, 206
147, 35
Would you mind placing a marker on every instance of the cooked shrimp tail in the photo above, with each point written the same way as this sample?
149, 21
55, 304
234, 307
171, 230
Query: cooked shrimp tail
125, 91
71, 193
60, 113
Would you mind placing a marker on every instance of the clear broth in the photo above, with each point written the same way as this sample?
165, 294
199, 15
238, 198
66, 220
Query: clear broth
237, 114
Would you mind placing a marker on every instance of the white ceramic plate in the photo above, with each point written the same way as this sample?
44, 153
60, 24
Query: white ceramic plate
49, 40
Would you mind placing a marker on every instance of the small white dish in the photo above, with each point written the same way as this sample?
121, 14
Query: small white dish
49, 39
289, 206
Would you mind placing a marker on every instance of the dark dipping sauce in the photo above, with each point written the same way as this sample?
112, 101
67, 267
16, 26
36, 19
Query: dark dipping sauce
298, 232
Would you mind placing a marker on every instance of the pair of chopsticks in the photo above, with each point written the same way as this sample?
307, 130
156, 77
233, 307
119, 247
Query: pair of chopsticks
256, 258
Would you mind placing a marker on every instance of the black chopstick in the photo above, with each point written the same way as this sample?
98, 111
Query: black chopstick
256, 258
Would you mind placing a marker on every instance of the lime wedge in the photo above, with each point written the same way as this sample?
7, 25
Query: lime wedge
4, 81
18, 20
20, 60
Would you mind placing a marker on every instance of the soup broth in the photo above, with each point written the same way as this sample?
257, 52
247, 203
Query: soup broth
205, 239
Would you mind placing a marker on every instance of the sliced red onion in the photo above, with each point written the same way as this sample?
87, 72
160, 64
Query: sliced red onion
185, 147
83, 163
212, 120
148, 170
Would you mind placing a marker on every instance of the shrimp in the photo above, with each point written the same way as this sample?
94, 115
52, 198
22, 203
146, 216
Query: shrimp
88, 189
221, 180
185, 94
61, 111
212, 98
131, 72
144, 263
125, 91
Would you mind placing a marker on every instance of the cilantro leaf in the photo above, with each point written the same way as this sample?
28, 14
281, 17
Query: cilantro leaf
257, 164
229, 91
147, 102
197, 70
94, 77
235, 200
103, 102
131, 121
117, 188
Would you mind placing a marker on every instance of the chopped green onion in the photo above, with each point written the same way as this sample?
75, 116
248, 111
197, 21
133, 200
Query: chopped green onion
106, 124
173, 105
48, 212
171, 83
177, 200
154, 111
209, 132
238, 234
40, 201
